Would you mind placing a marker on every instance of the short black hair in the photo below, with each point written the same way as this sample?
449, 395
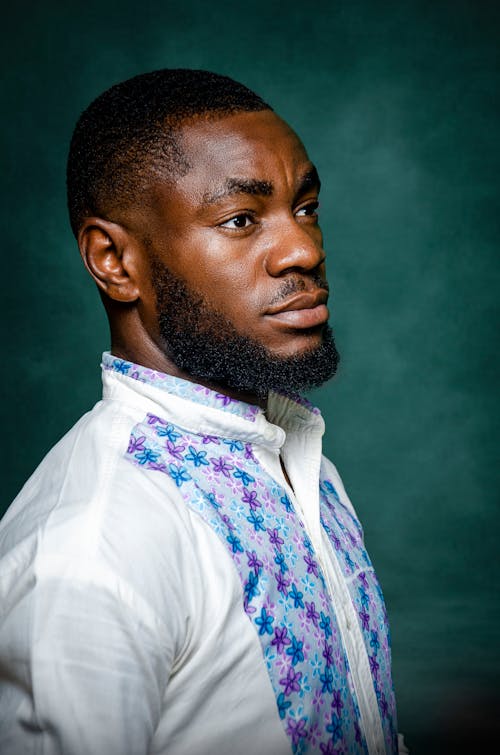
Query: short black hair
130, 131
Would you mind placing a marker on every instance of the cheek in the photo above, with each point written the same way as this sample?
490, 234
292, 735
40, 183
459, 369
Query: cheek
226, 273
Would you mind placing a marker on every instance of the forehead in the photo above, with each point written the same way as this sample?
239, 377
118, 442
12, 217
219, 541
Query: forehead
257, 145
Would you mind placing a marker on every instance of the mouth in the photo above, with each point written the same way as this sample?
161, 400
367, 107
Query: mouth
306, 309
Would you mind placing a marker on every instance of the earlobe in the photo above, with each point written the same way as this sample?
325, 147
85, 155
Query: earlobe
108, 254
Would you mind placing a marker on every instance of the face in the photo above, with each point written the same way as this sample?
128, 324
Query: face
237, 264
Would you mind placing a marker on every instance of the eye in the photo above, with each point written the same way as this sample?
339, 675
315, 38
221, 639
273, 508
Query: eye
309, 210
244, 220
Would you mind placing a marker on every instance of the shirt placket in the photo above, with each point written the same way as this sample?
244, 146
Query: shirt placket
338, 591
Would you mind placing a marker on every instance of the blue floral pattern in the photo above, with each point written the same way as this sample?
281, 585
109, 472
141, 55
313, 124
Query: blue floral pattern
284, 591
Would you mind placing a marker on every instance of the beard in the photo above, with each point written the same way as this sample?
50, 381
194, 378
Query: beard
205, 344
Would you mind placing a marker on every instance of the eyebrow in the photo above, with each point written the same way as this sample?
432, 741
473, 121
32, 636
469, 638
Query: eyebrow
240, 186
309, 180
255, 187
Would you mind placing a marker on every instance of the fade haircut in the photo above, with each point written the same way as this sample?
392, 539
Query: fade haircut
130, 134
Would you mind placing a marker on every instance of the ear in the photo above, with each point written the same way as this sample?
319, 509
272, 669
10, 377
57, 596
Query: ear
110, 255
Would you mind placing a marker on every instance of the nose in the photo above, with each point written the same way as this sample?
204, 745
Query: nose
294, 248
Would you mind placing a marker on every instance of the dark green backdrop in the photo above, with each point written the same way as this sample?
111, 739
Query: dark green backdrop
398, 104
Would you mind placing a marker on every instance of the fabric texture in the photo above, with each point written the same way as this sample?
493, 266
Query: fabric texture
164, 589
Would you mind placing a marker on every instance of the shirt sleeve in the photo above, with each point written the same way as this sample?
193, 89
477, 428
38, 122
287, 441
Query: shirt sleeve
86, 666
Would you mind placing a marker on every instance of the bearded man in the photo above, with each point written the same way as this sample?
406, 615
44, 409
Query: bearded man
184, 573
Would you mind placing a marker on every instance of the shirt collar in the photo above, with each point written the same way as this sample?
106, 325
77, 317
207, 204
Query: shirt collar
284, 414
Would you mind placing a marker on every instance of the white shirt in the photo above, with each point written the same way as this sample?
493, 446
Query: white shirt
122, 627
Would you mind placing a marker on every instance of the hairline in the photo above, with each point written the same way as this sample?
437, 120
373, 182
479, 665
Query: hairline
173, 126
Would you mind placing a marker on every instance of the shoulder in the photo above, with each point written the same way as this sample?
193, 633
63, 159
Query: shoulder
90, 513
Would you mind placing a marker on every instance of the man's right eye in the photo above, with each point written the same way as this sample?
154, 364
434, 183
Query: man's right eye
239, 221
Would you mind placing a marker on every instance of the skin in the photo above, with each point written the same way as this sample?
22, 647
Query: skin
240, 228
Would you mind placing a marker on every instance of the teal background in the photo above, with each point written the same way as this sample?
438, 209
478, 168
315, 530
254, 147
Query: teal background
397, 103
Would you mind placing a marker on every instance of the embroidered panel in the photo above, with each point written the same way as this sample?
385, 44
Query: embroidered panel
284, 592
346, 536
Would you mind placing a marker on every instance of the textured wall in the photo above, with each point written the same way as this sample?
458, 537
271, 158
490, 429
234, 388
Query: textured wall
397, 103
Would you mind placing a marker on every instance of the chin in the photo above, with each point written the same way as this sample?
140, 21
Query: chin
300, 344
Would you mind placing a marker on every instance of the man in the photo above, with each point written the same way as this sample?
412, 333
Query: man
184, 572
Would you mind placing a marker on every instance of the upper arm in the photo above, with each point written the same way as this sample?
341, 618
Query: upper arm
86, 663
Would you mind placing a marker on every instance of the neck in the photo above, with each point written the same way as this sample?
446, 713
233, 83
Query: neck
155, 359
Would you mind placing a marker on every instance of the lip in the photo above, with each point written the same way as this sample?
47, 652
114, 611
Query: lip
306, 309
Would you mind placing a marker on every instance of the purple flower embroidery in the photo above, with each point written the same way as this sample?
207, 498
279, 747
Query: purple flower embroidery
135, 444
158, 466
280, 639
336, 542
312, 566
175, 451
274, 538
337, 701
362, 578
296, 729
210, 439
227, 521
314, 733
328, 654
374, 666
384, 708
248, 452
253, 561
282, 583
317, 699
291, 682
312, 614
358, 732
365, 620
225, 400
154, 420
221, 465
250, 497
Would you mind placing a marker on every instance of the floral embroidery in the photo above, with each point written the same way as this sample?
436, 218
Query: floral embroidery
181, 388
283, 589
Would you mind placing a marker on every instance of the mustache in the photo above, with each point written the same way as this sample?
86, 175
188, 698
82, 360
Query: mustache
296, 284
